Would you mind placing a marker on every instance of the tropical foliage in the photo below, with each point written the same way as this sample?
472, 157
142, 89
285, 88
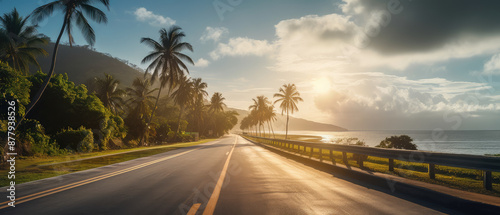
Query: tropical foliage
69, 118
73, 11
19, 42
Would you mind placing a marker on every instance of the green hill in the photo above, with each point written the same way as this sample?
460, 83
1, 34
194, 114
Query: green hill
81, 63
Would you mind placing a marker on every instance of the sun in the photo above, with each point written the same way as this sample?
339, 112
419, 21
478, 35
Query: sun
321, 85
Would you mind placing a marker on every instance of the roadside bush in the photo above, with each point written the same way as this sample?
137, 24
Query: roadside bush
32, 140
398, 142
80, 140
75, 108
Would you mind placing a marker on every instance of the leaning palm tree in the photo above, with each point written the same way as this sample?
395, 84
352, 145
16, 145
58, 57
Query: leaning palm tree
216, 103
183, 96
166, 59
19, 43
107, 90
289, 97
74, 11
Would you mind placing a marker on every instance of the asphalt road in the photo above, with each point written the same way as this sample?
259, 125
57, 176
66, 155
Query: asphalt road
256, 181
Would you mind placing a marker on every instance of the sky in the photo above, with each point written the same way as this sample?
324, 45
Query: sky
359, 64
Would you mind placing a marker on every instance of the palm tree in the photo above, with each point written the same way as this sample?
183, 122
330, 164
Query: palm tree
140, 99
183, 96
198, 107
109, 94
167, 59
199, 88
198, 114
20, 43
270, 115
216, 103
73, 14
289, 97
260, 107
140, 96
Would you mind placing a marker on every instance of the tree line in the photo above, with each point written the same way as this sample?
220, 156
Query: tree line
101, 113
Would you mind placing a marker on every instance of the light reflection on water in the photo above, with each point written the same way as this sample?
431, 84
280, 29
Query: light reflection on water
478, 142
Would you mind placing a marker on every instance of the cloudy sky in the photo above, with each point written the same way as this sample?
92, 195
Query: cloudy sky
360, 64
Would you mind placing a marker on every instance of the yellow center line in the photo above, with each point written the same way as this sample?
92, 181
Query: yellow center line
194, 209
90, 180
210, 208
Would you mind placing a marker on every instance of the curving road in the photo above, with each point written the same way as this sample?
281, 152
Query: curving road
189, 181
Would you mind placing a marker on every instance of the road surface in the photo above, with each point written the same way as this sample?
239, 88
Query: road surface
189, 180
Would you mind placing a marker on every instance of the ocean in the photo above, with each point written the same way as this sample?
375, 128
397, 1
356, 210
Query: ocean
474, 142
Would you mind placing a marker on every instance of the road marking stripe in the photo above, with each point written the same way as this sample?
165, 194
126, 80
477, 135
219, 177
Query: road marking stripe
210, 208
194, 209
90, 180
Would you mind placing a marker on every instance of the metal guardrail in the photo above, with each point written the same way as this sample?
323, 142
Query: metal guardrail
487, 164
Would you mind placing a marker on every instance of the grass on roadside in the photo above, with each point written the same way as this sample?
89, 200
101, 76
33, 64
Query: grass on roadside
35, 168
454, 177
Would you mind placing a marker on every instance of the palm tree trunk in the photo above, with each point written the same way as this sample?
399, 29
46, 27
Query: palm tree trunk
269, 128
287, 116
51, 72
151, 117
272, 129
179, 120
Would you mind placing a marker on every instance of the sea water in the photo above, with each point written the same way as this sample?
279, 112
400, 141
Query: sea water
475, 142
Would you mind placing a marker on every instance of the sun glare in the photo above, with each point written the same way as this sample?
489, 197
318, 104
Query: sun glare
321, 85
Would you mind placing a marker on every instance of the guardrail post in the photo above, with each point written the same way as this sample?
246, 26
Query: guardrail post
391, 164
312, 151
487, 180
344, 158
360, 161
321, 155
331, 157
432, 171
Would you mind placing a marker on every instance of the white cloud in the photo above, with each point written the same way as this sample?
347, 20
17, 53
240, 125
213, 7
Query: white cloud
143, 15
242, 46
213, 33
202, 63
376, 100
492, 67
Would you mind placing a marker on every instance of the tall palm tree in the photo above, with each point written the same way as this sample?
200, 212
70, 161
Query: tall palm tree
216, 103
140, 100
289, 97
198, 107
166, 57
74, 11
19, 43
107, 90
183, 96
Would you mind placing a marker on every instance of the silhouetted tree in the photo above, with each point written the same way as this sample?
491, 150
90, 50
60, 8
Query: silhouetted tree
398, 142
289, 97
